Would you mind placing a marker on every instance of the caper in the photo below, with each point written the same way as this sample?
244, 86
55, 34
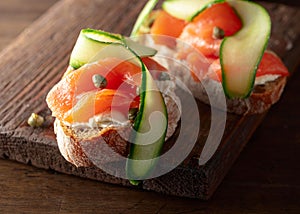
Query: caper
164, 76
218, 33
132, 113
35, 120
99, 81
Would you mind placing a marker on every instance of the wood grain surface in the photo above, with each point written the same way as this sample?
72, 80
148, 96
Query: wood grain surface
251, 192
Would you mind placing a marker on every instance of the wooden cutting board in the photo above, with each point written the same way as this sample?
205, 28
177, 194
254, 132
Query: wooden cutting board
37, 59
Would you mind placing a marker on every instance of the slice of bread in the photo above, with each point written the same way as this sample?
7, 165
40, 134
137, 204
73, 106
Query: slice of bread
262, 98
75, 142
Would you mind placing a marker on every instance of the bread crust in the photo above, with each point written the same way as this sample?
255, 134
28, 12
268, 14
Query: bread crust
71, 146
261, 99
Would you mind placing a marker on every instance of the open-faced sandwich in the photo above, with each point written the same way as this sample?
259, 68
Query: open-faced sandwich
107, 95
223, 43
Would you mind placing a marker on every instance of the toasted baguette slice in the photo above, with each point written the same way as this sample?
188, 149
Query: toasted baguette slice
74, 142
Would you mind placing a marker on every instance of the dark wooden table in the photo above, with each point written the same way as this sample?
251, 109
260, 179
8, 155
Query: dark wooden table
265, 178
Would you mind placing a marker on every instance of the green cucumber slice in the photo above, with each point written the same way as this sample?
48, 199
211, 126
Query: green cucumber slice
143, 17
143, 156
241, 53
116, 50
100, 35
151, 101
139, 49
90, 42
187, 10
141, 160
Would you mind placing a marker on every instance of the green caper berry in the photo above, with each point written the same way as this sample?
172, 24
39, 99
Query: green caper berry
99, 81
218, 33
164, 76
35, 120
132, 113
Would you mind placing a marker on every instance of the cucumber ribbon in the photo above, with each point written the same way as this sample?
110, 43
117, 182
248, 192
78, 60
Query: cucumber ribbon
151, 121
